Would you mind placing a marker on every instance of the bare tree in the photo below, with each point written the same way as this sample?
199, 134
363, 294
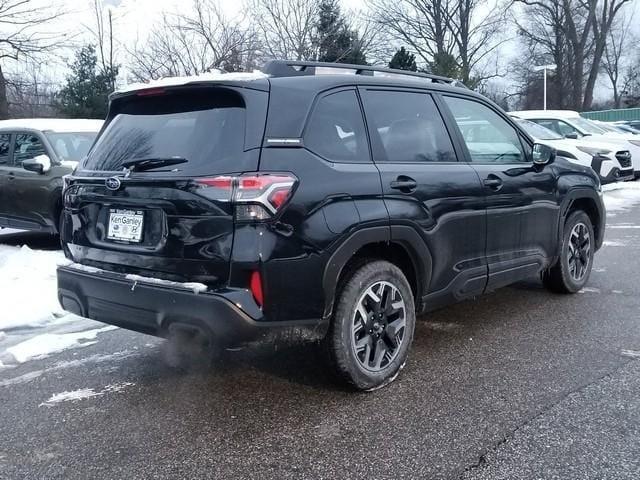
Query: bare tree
619, 40
286, 27
31, 92
102, 30
463, 31
574, 34
602, 20
24, 36
193, 43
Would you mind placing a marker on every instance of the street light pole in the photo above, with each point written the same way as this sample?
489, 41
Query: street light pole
544, 69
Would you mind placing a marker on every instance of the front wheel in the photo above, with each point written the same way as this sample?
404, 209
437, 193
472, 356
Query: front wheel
571, 271
372, 326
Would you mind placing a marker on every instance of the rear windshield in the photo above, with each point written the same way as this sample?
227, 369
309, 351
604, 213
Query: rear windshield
204, 126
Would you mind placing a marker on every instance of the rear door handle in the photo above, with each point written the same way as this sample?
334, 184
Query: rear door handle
493, 182
404, 184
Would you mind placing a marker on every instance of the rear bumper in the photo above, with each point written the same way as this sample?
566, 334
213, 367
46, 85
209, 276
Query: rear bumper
227, 316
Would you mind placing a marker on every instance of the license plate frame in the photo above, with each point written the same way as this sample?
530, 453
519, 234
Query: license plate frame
125, 225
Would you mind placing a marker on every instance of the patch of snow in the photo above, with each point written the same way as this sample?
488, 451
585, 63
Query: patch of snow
621, 196
84, 393
624, 226
28, 286
205, 77
631, 353
46, 344
612, 243
97, 358
193, 286
589, 290
27, 377
82, 268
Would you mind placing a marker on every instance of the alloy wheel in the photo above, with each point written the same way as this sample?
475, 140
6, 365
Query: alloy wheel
378, 326
579, 252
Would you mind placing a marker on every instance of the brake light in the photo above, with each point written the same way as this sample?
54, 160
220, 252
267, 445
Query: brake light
150, 92
255, 285
256, 196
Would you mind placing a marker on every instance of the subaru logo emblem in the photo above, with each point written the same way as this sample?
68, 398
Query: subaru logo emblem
112, 183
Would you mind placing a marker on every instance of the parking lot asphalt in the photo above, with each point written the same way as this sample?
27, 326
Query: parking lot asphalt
519, 383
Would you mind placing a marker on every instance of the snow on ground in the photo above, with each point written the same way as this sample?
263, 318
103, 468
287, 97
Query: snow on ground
45, 344
28, 286
621, 196
84, 393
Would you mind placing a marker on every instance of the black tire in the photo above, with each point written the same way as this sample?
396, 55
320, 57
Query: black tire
560, 277
349, 334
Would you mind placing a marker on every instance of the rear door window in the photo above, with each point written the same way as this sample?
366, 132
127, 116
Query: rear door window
206, 127
5, 144
407, 127
336, 129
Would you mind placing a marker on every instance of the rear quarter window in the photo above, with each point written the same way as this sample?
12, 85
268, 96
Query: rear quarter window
335, 130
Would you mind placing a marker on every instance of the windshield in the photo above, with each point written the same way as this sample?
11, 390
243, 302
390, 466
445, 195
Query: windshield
587, 126
71, 147
538, 131
205, 130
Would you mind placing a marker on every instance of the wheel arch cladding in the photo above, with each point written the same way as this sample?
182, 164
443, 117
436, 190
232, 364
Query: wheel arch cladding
585, 199
376, 243
589, 206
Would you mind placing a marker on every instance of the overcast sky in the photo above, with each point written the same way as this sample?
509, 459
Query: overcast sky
134, 18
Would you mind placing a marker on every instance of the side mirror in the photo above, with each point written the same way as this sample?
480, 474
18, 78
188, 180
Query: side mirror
40, 164
543, 154
572, 136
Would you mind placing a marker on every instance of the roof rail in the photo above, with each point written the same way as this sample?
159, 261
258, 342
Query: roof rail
290, 68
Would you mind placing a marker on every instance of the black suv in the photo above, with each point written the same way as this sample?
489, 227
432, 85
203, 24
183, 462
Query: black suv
326, 201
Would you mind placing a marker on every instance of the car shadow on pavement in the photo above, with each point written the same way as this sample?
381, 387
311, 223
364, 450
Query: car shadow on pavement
34, 240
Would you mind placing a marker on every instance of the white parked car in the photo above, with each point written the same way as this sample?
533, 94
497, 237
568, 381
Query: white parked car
571, 125
606, 159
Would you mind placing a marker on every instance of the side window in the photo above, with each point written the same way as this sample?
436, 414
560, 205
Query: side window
27, 146
5, 143
550, 124
409, 127
489, 137
336, 129
564, 129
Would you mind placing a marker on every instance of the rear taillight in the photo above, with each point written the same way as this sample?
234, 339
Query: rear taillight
256, 196
255, 285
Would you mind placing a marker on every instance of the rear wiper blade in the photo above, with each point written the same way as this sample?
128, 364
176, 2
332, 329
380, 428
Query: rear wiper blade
142, 164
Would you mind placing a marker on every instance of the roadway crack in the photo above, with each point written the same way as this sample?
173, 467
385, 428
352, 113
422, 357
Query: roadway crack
482, 459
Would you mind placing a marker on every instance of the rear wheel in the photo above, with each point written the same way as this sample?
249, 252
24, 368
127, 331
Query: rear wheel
372, 326
571, 271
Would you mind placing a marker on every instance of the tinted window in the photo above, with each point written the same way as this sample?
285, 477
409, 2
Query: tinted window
71, 146
336, 129
560, 128
409, 127
5, 143
488, 136
207, 129
27, 146
538, 131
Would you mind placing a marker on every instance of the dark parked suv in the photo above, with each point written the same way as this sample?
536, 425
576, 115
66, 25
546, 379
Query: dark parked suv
35, 153
323, 201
